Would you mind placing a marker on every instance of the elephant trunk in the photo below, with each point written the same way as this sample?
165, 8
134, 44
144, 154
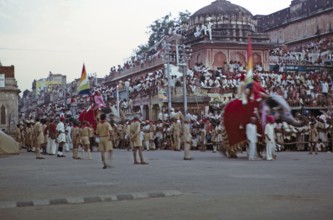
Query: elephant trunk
296, 123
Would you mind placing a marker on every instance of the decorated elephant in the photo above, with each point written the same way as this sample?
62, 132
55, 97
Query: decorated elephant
236, 116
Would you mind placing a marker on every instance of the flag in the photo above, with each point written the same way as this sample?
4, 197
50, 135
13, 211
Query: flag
83, 87
249, 73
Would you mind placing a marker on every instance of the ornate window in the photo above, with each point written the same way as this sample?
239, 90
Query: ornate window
3, 115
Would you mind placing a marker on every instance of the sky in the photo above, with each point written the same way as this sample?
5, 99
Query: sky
58, 36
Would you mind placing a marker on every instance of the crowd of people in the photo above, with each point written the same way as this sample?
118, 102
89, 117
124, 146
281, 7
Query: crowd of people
301, 90
312, 53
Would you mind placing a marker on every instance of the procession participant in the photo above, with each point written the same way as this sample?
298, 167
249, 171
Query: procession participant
146, 135
127, 135
91, 137
203, 140
84, 136
61, 139
38, 137
52, 136
187, 137
75, 136
252, 137
159, 134
313, 137
209, 129
270, 138
322, 132
214, 136
22, 132
136, 140
104, 132
121, 134
300, 138
152, 136
176, 133
18, 135
258, 92
68, 131
241, 90
44, 123
219, 136
28, 136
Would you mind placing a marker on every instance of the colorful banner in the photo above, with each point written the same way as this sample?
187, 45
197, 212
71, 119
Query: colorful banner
84, 86
249, 67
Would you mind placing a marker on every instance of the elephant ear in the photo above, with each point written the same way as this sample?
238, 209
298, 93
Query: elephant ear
281, 101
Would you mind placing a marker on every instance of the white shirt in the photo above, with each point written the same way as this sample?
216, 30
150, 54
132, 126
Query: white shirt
251, 132
269, 131
61, 129
324, 87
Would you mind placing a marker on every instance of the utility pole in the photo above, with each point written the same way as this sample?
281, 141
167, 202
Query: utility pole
186, 53
168, 58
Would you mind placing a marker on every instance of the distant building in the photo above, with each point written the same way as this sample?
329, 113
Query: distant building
9, 95
48, 84
230, 26
304, 21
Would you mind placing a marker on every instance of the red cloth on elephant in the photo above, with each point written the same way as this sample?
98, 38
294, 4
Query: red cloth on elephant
89, 115
236, 114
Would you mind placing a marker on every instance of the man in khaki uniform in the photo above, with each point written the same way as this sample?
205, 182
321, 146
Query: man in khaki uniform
187, 137
136, 140
18, 135
103, 132
127, 136
38, 137
28, 136
76, 140
176, 132
84, 135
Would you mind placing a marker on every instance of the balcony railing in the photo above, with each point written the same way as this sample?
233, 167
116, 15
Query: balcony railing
155, 62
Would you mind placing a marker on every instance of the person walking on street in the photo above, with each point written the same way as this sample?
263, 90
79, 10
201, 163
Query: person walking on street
103, 132
61, 136
313, 137
38, 137
75, 136
252, 138
136, 140
84, 135
187, 137
270, 138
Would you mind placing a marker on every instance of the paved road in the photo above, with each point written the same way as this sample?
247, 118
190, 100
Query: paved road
296, 186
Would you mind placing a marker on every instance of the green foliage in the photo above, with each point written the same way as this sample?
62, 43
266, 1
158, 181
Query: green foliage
160, 28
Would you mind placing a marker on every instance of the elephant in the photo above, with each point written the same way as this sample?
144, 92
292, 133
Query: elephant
236, 116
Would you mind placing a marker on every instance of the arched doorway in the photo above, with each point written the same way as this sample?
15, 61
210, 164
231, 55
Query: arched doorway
256, 59
238, 57
219, 59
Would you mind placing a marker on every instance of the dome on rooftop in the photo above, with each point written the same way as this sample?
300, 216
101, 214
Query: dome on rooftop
222, 7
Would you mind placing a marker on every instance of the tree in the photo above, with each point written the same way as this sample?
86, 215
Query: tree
160, 29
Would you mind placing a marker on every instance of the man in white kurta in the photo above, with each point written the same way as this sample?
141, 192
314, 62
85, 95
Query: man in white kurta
270, 138
61, 137
252, 138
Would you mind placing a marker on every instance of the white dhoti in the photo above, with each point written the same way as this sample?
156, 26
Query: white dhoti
270, 150
51, 147
252, 150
